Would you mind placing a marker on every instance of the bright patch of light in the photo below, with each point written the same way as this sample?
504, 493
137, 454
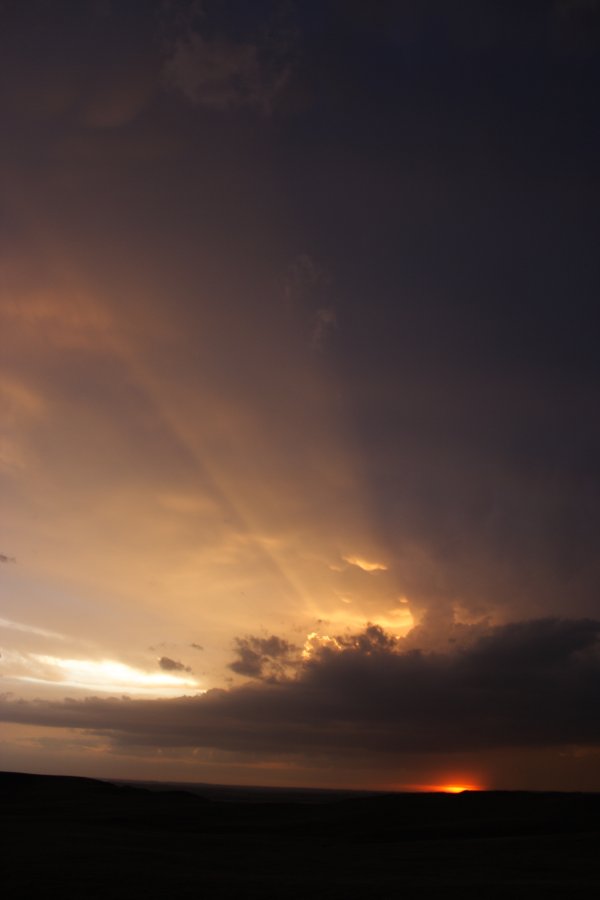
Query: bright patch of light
315, 641
398, 620
110, 676
365, 564
455, 788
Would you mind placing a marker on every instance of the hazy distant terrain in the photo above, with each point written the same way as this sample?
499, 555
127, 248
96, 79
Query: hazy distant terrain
75, 837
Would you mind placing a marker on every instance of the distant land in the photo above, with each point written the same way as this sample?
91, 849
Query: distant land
241, 793
79, 837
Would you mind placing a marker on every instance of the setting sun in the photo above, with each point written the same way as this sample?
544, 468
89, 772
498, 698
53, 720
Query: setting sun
456, 788
452, 788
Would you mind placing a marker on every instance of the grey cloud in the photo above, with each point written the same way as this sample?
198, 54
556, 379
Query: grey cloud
7, 559
528, 684
263, 657
196, 646
221, 73
172, 665
373, 639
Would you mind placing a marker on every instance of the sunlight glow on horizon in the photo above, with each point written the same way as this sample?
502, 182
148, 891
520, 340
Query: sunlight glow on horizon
451, 788
454, 788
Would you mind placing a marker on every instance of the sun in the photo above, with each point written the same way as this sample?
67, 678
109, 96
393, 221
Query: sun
457, 788
454, 787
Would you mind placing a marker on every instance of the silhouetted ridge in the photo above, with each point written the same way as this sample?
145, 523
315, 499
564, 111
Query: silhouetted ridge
21, 784
81, 837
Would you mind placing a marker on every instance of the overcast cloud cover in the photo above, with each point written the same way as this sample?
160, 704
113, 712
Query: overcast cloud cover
299, 333
369, 699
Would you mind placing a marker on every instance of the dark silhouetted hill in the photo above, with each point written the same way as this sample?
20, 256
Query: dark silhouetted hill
78, 837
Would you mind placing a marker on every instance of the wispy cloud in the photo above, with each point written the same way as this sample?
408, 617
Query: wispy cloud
31, 629
365, 564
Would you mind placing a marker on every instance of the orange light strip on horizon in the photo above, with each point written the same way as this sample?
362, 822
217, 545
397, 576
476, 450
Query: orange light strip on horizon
454, 788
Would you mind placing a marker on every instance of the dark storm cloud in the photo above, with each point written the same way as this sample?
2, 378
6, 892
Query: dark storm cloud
470, 374
262, 657
436, 187
527, 684
172, 665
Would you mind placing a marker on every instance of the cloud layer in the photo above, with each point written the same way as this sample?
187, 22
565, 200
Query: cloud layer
523, 685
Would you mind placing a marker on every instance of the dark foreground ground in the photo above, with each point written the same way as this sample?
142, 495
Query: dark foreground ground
80, 838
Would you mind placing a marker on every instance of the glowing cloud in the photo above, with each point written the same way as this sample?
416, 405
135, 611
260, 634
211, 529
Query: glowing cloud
365, 564
315, 641
110, 676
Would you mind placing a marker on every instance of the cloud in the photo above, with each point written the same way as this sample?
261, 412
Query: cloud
217, 71
365, 564
439, 438
263, 657
6, 559
527, 684
172, 665
106, 675
196, 646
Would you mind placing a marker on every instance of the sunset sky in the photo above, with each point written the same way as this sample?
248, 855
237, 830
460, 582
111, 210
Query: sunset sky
300, 386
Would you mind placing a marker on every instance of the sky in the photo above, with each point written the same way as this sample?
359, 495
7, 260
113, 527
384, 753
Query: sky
299, 374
